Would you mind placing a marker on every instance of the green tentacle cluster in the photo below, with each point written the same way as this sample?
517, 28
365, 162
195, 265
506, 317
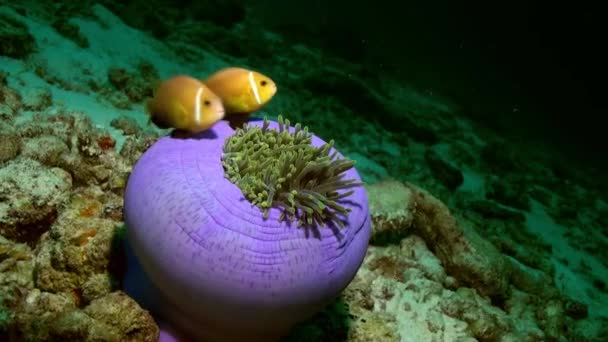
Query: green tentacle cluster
281, 169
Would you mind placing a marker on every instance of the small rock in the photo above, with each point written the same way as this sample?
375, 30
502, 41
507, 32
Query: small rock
491, 209
443, 171
389, 203
37, 99
508, 191
47, 149
10, 102
10, 147
112, 309
15, 38
71, 32
32, 194
127, 125
464, 253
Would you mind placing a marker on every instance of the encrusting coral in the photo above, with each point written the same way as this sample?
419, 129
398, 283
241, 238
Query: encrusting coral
60, 206
280, 168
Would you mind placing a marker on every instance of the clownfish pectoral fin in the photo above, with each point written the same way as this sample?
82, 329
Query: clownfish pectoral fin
238, 120
159, 122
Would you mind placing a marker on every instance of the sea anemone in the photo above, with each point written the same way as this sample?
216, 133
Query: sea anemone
227, 269
279, 168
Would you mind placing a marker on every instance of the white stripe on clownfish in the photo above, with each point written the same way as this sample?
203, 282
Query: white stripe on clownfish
197, 105
254, 88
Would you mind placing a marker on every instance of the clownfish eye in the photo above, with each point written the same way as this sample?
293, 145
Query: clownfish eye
207, 103
263, 83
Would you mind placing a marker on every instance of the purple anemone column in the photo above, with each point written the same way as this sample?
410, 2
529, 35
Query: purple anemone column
225, 272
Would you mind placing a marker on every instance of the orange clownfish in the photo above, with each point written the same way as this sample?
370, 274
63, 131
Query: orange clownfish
184, 103
242, 91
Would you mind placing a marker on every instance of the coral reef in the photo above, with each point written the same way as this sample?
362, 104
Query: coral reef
71, 142
61, 184
520, 255
46, 316
128, 87
434, 281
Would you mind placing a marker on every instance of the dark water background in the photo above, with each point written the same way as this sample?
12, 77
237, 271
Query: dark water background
533, 69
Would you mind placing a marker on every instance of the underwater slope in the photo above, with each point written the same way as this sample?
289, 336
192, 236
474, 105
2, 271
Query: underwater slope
72, 119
